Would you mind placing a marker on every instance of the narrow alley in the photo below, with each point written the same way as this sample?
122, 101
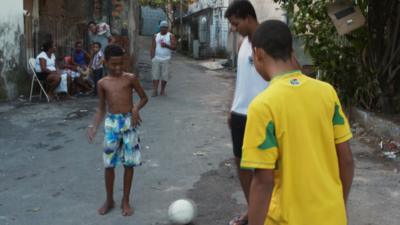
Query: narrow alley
51, 175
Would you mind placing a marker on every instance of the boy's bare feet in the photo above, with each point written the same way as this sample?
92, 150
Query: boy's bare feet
106, 207
163, 94
154, 94
127, 210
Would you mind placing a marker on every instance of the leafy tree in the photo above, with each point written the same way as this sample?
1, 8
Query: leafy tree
383, 50
362, 65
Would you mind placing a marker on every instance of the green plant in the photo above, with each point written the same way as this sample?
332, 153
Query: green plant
337, 57
362, 65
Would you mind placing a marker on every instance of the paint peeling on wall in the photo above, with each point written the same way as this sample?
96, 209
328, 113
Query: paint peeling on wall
12, 68
10, 58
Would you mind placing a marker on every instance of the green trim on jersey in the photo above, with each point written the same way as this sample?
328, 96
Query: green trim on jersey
270, 139
337, 118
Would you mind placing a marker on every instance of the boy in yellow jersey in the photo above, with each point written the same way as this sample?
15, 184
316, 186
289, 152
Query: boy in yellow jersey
296, 141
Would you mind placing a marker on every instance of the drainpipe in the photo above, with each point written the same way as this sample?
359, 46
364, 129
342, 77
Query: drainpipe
36, 23
180, 19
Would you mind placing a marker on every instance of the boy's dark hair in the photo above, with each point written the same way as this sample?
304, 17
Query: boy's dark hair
274, 37
113, 50
241, 9
78, 42
97, 43
91, 22
47, 45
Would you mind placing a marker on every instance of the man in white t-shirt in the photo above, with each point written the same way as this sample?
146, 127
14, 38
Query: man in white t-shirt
163, 44
249, 84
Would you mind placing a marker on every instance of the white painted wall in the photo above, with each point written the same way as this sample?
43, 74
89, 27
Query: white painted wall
219, 28
11, 28
268, 9
203, 4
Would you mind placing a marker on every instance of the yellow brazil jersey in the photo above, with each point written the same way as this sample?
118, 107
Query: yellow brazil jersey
292, 127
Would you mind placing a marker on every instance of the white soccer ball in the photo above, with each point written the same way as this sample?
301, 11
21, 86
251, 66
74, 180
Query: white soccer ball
182, 211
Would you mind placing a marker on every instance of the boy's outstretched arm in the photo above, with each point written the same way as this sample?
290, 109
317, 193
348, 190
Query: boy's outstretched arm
101, 111
346, 167
143, 101
261, 189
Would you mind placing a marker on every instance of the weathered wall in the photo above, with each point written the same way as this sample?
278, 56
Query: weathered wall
203, 4
11, 46
268, 9
151, 17
214, 37
64, 22
219, 29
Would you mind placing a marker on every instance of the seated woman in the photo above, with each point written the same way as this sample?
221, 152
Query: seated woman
81, 83
46, 68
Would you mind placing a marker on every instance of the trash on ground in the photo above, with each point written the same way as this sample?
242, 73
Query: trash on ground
228, 164
36, 209
390, 149
214, 65
200, 154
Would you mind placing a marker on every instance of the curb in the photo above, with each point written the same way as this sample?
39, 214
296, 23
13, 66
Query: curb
376, 124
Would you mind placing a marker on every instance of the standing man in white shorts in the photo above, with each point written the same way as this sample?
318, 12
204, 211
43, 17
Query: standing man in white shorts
161, 50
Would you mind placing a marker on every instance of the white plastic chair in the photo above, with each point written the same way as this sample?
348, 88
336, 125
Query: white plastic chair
35, 79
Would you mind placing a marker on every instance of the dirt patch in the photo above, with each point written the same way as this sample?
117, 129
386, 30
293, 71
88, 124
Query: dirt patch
213, 195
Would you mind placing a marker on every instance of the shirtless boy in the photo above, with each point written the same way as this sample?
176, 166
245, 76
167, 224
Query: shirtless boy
121, 140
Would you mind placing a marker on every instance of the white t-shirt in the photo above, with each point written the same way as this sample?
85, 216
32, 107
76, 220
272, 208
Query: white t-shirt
162, 53
248, 82
50, 62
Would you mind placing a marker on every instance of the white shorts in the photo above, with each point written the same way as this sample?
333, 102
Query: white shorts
160, 69
72, 73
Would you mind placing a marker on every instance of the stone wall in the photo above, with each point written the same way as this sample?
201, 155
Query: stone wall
378, 124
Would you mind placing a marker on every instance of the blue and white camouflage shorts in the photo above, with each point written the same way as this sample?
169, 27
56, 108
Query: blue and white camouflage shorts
121, 141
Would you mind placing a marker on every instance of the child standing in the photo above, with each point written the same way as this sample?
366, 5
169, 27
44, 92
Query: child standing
121, 141
296, 140
97, 64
